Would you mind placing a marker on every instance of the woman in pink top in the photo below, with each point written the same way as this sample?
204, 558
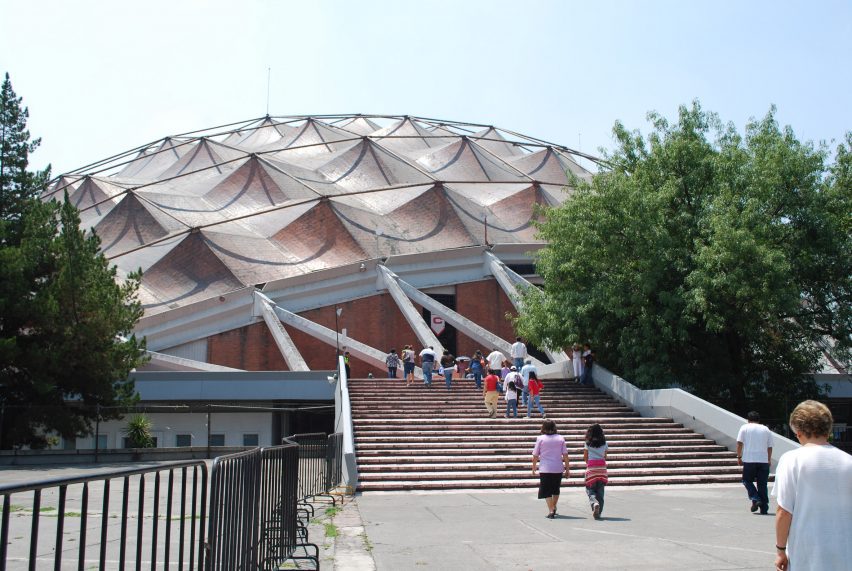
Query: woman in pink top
551, 451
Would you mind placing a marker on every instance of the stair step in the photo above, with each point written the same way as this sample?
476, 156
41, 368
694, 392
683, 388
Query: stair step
488, 474
511, 452
405, 485
450, 430
524, 464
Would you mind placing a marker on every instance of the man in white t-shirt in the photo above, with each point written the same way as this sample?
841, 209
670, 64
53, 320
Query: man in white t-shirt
519, 353
495, 361
427, 362
813, 486
754, 454
515, 377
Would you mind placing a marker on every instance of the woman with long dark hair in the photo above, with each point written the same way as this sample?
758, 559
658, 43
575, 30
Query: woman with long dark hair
594, 454
550, 448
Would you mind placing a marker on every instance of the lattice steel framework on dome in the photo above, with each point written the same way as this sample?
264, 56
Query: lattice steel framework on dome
210, 211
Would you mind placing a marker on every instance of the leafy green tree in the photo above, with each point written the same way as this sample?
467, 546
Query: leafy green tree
17, 185
702, 258
66, 342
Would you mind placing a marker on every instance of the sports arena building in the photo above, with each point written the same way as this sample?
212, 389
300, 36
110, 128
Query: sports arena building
272, 244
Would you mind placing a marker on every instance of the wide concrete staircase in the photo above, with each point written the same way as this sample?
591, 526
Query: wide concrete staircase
433, 439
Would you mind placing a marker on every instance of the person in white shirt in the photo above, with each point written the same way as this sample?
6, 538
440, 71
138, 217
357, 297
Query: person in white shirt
427, 362
495, 361
519, 353
754, 454
577, 361
514, 377
525, 377
813, 486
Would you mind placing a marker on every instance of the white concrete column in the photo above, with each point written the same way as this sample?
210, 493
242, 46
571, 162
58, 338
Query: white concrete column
425, 336
479, 334
182, 363
501, 273
288, 349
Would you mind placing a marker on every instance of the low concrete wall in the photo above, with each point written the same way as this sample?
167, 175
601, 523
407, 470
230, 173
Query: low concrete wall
694, 413
112, 455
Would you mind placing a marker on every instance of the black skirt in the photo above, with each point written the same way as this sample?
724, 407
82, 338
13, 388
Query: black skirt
549, 484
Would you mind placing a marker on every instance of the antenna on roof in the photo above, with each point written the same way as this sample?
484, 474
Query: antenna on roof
268, 80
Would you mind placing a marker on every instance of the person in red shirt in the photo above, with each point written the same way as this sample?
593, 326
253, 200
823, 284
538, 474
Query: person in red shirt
535, 400
490, 394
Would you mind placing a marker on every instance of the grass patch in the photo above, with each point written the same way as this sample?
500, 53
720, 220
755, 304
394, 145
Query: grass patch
368, 545
47, 509
332, 511
330, 530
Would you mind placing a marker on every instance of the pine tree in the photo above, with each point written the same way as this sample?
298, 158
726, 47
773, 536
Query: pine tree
66, 324
17, 184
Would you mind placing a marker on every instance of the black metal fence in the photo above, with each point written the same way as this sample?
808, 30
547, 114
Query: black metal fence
283, 524
320, 464
159, 519
234, 495
155, 520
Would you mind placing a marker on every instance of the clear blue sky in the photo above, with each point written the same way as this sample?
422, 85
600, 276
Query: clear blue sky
101, 77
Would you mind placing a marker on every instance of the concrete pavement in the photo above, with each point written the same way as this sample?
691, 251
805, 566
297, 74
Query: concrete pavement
660, 528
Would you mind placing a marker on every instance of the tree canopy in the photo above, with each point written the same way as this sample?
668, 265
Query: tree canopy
702, 258
17, 184
66, 342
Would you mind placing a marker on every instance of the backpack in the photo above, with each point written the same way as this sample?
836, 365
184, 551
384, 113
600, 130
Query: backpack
511, 387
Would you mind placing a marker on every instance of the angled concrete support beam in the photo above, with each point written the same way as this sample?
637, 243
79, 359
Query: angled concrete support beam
183, 364
360, 350
388, 280
507, 280
460, 322
288, 349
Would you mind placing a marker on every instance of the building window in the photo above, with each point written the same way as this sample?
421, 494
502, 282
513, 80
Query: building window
103, 441
250, 439
69, 444
182, 440
125, 442
217, 440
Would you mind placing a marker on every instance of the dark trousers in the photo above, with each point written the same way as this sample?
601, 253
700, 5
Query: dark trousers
757, 471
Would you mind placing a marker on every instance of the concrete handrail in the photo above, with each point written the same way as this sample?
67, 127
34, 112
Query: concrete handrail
343, 423
693, 412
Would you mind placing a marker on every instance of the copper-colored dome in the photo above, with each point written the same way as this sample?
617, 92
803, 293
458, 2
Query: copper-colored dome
209, 212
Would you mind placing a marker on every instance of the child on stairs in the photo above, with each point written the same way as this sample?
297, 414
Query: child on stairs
594, 454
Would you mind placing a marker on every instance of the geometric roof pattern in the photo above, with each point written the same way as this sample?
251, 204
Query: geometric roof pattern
211, 211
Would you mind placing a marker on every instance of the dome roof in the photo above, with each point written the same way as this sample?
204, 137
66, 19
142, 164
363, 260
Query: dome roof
209, 212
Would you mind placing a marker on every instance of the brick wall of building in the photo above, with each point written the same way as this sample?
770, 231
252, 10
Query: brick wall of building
484, 303
251, 348
375, 320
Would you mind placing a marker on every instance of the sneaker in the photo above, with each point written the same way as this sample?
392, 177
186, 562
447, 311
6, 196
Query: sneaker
596, 511
754, 505
551, 515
